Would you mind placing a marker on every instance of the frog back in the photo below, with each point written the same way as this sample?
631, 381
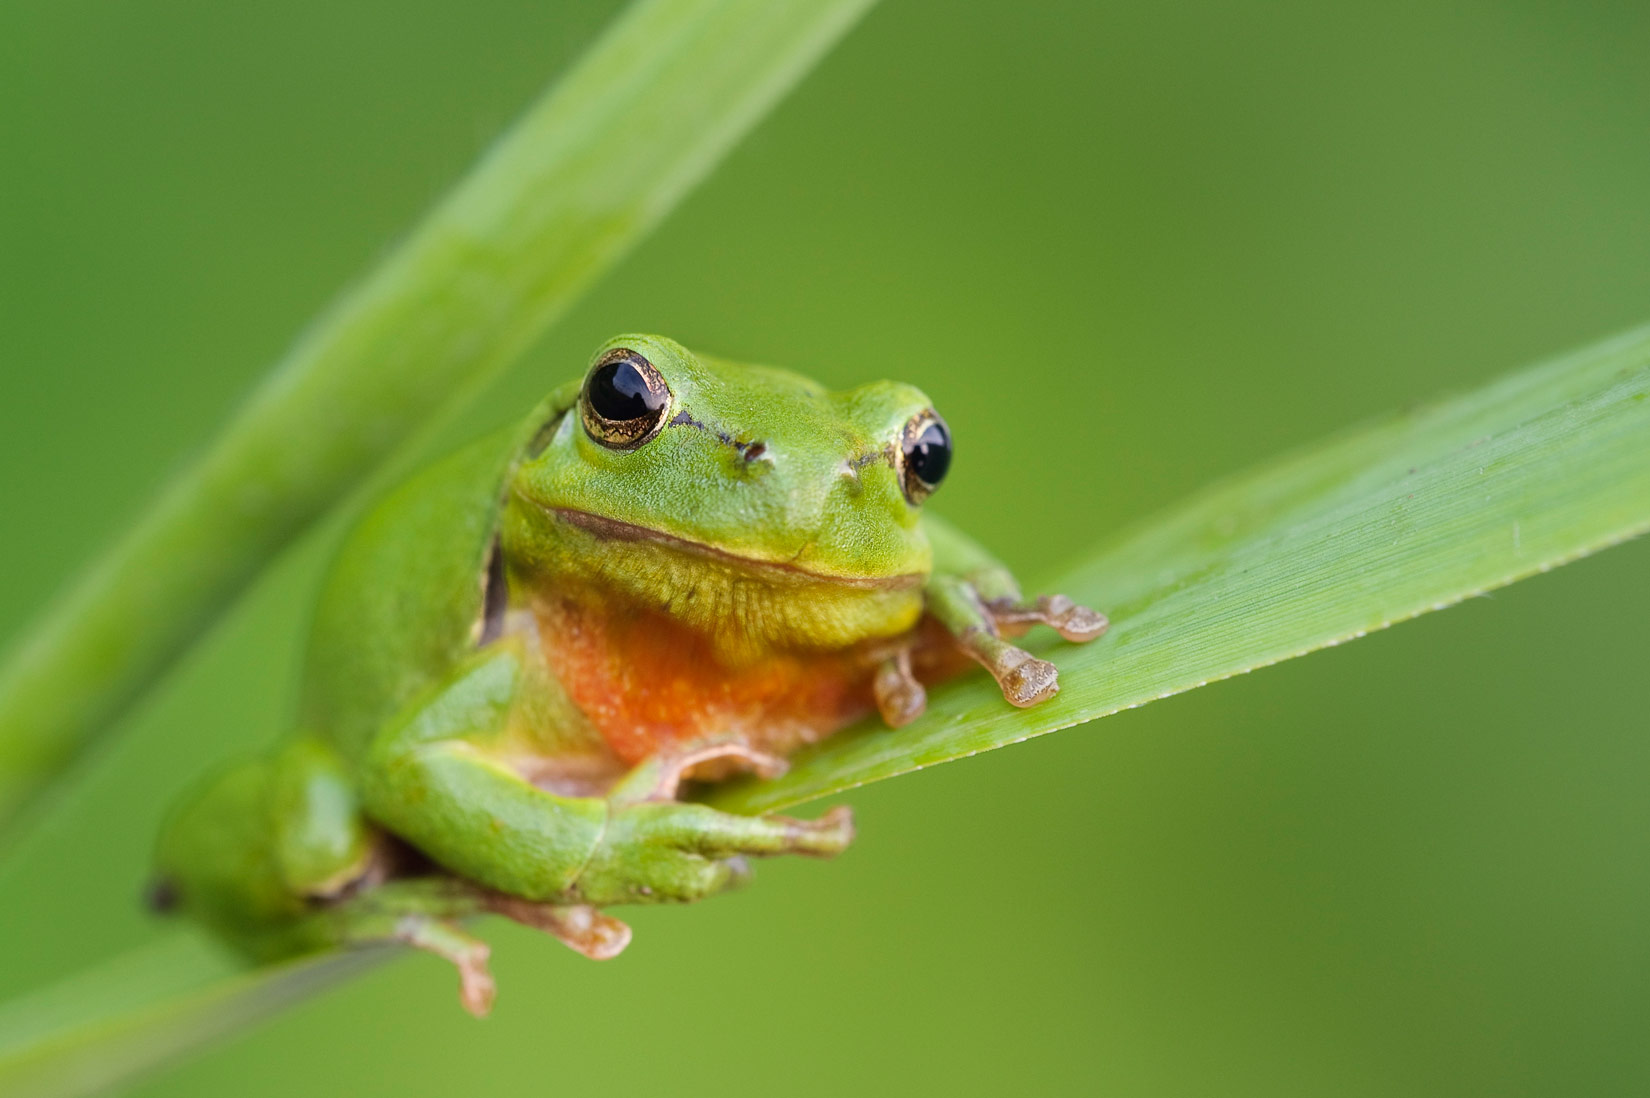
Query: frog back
406, 596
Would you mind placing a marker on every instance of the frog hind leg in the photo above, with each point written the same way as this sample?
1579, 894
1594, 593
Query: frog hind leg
323, 844
273, 855
215, 861
433, 778
468, 955
678, 853
425, 913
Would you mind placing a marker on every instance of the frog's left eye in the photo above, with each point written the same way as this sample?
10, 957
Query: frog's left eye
625, 401
925, 455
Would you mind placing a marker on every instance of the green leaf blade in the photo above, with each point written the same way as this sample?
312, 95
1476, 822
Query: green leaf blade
1409, 515
144, 1010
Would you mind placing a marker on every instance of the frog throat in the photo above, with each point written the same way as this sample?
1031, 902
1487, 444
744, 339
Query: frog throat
749, 607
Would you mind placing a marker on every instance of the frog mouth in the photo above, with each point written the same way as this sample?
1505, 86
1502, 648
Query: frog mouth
618, 530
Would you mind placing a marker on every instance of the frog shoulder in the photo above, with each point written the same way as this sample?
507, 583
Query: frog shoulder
404, 597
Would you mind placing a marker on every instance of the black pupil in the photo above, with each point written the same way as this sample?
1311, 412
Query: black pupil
619, 391
928, 456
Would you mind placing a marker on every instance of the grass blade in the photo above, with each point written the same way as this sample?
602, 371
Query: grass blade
585, 174
1410, 515
145, 1009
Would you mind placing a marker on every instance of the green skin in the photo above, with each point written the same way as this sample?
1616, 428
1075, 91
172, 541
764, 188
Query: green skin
442, 770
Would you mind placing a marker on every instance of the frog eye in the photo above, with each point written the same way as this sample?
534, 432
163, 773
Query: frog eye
925, 455
625, 401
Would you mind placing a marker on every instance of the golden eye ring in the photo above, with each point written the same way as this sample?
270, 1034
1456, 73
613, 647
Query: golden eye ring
625, 401
924, 455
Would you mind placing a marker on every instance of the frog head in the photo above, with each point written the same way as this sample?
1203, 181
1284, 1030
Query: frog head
724, 491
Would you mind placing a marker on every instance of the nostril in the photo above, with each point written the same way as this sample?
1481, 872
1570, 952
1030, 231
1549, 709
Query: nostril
755, 450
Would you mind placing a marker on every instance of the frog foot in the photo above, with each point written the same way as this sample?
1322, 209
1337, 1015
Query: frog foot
661, 853
469, 955
977, 626
1071, 620
900, 697
1024, 679
579, 927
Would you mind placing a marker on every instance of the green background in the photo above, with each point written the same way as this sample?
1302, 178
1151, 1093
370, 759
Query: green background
1127, 248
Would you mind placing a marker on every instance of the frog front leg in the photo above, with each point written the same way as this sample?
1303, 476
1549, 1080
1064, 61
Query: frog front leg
439, 778
978, 602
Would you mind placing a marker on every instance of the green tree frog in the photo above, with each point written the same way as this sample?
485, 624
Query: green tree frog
676, 569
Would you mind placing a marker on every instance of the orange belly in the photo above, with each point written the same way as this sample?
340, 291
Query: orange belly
650, 684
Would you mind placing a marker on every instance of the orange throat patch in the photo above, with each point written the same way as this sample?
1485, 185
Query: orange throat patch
652, 685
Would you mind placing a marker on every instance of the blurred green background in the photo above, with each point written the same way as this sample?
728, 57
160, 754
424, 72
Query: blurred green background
1415, 865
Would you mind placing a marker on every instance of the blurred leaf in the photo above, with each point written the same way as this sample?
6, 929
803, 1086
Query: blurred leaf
142, 1010
586, 173
1405, 516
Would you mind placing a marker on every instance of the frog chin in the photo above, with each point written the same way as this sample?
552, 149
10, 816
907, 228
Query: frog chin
747, 606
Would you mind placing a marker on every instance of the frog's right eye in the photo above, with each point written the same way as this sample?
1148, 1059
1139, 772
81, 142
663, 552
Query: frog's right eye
625, 401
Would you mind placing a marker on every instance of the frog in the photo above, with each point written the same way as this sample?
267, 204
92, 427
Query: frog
528, 659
